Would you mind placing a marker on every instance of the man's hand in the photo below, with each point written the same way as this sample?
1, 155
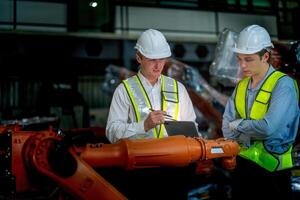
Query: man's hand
154, 118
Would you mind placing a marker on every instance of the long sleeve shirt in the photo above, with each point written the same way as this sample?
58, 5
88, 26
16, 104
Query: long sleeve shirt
121, 121
278, 128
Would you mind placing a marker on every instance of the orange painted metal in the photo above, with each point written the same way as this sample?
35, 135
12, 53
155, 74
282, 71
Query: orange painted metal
73, 171
82, 183
170, 151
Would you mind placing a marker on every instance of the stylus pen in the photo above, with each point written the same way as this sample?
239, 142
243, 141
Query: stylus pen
166, 115
170, 118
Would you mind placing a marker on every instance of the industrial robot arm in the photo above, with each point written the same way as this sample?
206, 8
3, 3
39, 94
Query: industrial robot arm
71, 166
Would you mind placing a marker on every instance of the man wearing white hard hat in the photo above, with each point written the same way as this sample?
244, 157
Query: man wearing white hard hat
262, 115
141, 103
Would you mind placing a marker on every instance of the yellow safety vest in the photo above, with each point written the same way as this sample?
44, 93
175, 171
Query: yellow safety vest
257, 152
142, 105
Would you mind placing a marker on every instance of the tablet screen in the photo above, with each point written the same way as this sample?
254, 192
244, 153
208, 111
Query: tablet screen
186, 128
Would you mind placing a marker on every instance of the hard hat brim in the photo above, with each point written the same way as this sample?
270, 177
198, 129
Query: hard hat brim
157, 56
241, 51
166, 54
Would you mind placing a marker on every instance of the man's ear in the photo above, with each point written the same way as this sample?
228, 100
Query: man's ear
138, 58
266, 57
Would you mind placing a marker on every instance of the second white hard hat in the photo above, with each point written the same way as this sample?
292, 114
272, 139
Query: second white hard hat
252, 39
153, 44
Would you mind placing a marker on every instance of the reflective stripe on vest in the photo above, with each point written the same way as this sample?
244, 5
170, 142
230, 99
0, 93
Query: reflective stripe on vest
142, 105
297, 89
257, 152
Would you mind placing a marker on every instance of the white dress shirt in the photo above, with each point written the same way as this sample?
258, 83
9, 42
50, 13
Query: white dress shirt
121, 121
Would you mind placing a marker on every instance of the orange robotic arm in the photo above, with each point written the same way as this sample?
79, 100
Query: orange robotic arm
170, 151
71, 166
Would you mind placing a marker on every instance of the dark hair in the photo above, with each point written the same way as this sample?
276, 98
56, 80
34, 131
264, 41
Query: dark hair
139, 54
262, 52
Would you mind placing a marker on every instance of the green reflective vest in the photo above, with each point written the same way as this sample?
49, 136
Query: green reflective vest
142, 105
257, 152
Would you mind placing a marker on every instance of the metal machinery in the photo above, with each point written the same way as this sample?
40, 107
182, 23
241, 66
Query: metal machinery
31, 160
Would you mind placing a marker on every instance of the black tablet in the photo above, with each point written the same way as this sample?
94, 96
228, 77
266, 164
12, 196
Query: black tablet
186, 128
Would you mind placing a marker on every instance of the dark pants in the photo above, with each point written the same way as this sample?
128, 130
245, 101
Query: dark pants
250, 181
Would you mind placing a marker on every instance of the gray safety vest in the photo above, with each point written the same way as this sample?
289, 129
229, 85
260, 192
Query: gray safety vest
142, 105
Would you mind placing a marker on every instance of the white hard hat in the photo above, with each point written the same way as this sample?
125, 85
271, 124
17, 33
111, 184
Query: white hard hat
252, 39
153, 44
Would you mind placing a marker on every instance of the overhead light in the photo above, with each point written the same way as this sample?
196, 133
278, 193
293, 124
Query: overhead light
93, 4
